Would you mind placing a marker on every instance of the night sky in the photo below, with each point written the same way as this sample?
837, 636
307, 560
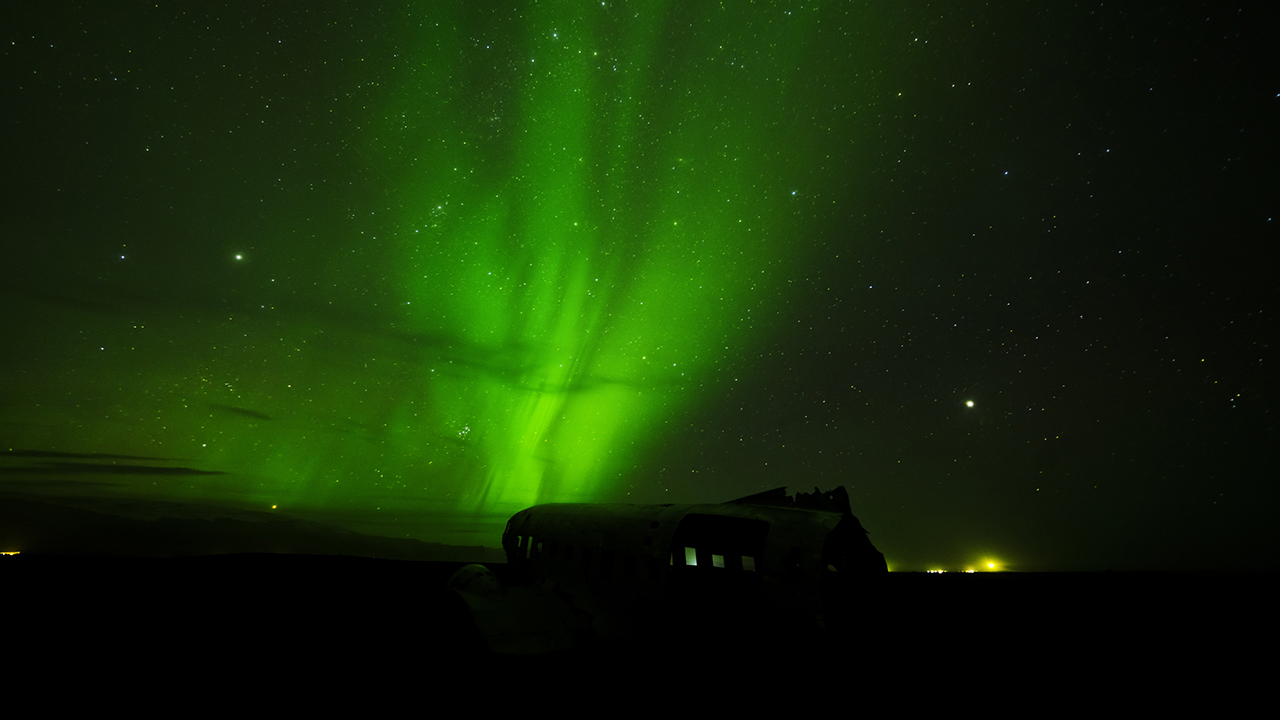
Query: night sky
1004, 270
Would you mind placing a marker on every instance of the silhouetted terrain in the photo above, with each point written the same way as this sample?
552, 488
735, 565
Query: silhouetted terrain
361, 622
91, 595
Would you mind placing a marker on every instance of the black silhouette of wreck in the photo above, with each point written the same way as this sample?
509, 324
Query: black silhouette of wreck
765, 563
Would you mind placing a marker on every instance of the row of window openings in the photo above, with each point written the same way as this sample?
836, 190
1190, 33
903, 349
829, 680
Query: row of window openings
690, 555
691, 560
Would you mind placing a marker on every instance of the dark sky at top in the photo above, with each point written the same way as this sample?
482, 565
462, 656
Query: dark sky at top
406, 270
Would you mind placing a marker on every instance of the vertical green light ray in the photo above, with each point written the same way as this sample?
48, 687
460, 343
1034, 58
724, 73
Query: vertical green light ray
525, 245
589, 258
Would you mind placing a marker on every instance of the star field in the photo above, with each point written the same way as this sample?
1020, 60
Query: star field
1005, 272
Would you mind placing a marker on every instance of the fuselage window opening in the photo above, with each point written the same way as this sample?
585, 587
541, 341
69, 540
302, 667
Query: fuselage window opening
721, 543
528, 547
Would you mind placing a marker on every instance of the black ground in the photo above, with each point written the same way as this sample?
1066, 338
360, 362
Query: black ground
361, 622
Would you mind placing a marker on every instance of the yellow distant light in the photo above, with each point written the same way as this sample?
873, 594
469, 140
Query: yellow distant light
9, 552
968, 403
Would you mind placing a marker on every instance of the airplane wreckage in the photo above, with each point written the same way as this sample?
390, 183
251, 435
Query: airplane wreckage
584, 572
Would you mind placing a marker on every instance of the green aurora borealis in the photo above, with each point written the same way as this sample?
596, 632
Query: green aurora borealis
599, 240
407, 269
544, 233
